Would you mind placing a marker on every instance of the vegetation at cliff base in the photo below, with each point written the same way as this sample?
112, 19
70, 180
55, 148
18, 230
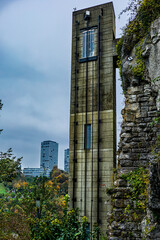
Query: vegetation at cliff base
138, 184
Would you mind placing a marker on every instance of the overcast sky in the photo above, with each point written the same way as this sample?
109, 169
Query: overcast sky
35, 62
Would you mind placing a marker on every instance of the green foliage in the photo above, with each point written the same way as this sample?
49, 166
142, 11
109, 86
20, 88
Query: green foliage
135, 197
138, 182
2, 188
138, 70
119, 48
66, 228
56, 221
142, 14
10, 167
156, 148
20, 202
60, 180
148, 11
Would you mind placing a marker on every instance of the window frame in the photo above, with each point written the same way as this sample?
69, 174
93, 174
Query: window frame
88, 47
87, 136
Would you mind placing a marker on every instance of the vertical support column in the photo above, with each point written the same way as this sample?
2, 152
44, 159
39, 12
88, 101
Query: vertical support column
75, 114
86, 121
92, 150
98, 150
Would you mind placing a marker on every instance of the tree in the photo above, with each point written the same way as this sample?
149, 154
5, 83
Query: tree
60, 180
10, 167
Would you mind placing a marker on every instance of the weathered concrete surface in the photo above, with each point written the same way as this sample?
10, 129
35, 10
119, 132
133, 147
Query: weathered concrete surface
90, 170
137, 140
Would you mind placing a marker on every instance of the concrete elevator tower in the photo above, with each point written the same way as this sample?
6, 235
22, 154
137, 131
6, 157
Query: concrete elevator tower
92, 112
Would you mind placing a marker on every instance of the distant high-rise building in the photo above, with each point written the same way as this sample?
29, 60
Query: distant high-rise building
49, 154
66, 160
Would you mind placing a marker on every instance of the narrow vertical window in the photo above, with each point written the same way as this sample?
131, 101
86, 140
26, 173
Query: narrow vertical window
88, 46
87, 136
91, 43
84, 44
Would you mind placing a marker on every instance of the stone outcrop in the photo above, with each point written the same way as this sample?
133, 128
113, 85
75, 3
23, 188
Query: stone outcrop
138, 141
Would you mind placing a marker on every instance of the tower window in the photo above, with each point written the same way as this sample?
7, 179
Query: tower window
88, 46
87, 136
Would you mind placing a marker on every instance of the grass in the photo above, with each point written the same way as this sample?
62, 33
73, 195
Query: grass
2, 188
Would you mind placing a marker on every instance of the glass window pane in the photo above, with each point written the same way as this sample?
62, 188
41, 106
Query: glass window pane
89, 45
87, 136
92, 43
84, 44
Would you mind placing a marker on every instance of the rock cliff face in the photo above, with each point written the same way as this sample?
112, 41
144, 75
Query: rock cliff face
138, 141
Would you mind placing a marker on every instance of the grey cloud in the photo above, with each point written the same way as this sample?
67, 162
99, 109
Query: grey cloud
11, 67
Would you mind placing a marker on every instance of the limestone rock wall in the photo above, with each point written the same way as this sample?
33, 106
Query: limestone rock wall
137, 140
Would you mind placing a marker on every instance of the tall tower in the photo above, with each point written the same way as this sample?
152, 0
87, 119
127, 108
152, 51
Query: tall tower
92, 112
66, 160
49, 154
